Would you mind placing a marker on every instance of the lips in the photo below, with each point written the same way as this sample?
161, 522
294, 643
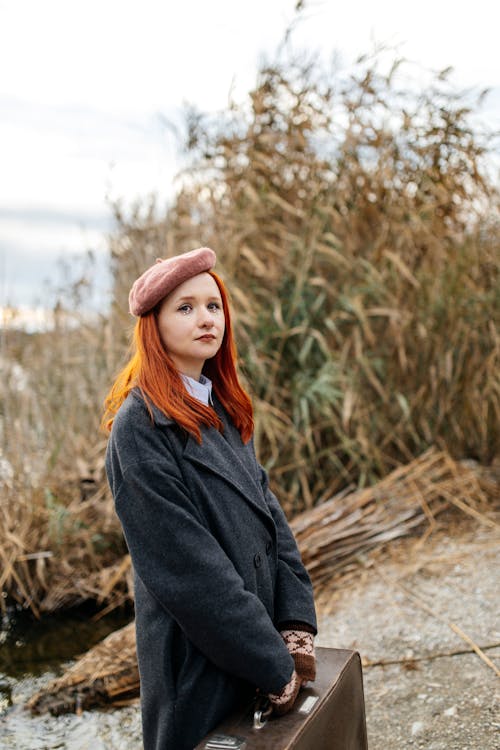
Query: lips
206, 337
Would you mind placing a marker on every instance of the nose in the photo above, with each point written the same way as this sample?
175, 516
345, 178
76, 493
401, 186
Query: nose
205, 319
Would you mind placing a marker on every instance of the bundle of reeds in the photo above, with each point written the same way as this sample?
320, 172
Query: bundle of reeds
334, 539
106, 674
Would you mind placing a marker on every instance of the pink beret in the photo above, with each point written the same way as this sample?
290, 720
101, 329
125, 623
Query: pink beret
165, 275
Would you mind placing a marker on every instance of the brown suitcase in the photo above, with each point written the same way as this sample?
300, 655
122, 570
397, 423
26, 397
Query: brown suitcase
328, 715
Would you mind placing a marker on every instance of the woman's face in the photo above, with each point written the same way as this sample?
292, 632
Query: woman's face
191, 323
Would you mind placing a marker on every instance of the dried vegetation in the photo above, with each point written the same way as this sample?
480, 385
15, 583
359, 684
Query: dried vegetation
357, 227
336, 540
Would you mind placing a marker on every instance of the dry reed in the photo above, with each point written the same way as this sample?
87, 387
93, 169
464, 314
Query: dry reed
107, 673
334, 537
358, 232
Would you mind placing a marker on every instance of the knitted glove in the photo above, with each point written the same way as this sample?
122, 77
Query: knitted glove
283, 701
300, 644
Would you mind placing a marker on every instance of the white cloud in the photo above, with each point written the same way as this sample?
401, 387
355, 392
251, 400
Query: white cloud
126, 55
84, 82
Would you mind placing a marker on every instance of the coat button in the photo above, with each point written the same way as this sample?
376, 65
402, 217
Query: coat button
257, 561
269, 547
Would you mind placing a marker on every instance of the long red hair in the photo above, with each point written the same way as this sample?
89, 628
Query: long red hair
151, 370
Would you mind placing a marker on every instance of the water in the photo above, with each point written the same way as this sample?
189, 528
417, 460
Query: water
33, 653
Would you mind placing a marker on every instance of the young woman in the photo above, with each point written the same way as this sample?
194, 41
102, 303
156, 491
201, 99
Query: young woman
223, 603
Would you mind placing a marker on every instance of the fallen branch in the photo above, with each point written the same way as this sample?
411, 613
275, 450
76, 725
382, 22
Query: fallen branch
429, 657
456, 629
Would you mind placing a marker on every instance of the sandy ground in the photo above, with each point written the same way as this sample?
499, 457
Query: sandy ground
418, 604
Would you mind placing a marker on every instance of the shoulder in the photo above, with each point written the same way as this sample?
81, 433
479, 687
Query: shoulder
134, 407
133, 415
139, 429
137, 409
144, 448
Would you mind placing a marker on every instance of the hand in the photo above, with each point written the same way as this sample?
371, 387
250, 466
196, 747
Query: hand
283, 701
300, 644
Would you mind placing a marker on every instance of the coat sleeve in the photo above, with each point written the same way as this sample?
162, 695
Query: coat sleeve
294, 599
186, 570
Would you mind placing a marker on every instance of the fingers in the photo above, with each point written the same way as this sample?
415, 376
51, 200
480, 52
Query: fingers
283, 701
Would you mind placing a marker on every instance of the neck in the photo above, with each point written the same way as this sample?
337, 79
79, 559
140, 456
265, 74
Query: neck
191, 373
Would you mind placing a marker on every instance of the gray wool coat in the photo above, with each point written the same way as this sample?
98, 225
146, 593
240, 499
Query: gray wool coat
216, 571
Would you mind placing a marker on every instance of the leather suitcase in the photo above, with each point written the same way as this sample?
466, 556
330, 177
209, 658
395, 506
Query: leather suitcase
329, 714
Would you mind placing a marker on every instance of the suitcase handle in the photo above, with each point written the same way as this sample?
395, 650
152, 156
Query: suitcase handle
262, 711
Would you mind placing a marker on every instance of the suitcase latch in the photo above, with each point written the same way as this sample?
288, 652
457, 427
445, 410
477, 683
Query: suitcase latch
225, 742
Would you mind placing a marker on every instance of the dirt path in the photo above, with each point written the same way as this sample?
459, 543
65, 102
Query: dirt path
402, 609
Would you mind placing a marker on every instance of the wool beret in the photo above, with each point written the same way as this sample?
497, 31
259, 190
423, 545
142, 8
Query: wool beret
162, 277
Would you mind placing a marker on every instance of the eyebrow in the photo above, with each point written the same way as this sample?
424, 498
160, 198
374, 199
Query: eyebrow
193, 297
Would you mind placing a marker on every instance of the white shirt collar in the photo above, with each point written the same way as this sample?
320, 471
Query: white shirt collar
200, 389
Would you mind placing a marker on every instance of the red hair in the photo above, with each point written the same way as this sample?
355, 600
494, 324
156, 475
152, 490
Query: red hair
154, 373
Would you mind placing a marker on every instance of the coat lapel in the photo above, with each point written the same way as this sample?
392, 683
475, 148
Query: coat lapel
220, 454
224, 455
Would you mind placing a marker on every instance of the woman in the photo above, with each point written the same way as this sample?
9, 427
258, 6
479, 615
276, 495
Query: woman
223, 603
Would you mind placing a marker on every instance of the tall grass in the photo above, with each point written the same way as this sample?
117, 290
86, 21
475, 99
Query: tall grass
356, 224
58, 530
358, 231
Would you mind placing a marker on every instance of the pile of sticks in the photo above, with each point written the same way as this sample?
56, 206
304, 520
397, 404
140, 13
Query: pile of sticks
335, 537
108, 673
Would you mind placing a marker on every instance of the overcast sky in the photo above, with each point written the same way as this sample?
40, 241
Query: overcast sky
84, 87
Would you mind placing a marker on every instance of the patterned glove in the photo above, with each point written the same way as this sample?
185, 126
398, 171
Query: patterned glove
283, 701
300, 644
